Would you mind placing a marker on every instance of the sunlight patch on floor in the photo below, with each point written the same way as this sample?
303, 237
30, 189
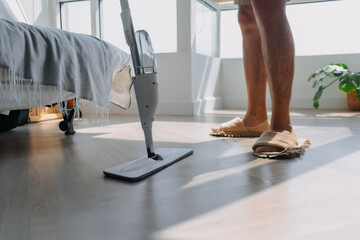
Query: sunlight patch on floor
282, 211
209, 177
324, 137
174, 130
108, 129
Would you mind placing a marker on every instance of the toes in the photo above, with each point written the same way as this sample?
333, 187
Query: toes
215, 129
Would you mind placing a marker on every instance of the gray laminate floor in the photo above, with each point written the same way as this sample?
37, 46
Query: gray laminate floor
52, 186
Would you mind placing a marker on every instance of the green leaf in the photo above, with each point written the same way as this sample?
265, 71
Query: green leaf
318, 93
358, 93
356, 79
317, 96
346, 83
342, 65
327, 69
316, 104
319, 80
316, 73
347, 88
311, 76
338, 71
335, 70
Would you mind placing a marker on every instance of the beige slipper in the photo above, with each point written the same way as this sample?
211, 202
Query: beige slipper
237, 128
291, 145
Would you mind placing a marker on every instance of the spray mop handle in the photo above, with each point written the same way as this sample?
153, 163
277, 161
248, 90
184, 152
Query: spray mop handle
127, 22
128, 28
129, 33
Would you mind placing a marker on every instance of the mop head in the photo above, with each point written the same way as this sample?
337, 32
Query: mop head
143, 167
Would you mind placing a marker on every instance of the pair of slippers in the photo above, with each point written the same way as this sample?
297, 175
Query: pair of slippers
287, 143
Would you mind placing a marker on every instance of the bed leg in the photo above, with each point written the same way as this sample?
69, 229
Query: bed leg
67, 124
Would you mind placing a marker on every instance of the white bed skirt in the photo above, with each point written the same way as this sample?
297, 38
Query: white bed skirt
49, 95
25, 96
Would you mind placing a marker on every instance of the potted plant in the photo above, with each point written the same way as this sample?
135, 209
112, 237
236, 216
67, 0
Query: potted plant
349, 82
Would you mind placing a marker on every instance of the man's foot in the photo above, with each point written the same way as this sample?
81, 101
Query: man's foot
282, 143
273, 141
237, 128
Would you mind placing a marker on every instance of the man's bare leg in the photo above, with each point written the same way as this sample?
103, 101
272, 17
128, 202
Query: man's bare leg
278, 50
254, 67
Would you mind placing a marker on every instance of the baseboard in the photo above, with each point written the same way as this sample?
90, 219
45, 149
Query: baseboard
207, 105
325, 103
200, 106
338, 102
195, 107
164, 107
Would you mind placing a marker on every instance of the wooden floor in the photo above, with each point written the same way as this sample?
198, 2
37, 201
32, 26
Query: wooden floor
52, 186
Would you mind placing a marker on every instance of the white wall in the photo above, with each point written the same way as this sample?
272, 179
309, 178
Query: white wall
38, 12
205, 65
174, 78
234, 89
189, 83
206, 87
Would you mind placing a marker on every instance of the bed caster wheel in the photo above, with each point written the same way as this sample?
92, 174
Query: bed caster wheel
63, 126
67, 128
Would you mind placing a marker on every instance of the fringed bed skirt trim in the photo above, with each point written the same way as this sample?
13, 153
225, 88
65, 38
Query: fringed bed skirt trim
17, 92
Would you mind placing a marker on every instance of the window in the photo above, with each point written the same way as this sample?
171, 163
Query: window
319, 28
14, 7
325, 28
206, 26
230, 35
76, 16
157, 17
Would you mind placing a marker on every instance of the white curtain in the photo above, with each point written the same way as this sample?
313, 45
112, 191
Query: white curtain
6, 12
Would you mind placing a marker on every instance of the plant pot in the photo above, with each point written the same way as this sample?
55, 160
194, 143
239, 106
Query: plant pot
353, 102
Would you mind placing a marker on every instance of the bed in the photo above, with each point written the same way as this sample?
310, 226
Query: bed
43, 65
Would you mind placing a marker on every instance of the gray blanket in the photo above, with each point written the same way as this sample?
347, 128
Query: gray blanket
69, 62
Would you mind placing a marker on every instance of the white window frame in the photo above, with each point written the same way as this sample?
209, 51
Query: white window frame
217, 30
95, 6
223, 5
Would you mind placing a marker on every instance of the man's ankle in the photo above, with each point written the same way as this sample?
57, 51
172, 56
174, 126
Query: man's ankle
280, 128
252, 121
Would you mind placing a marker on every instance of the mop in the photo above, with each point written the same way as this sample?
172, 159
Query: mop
146, 90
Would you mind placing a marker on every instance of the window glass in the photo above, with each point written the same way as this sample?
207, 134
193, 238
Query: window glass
318, 29
76, 17
326, 27
205, 29
157, 17
230, 35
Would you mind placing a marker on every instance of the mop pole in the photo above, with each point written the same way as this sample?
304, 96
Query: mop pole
145, 85
130, 35
146, 89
